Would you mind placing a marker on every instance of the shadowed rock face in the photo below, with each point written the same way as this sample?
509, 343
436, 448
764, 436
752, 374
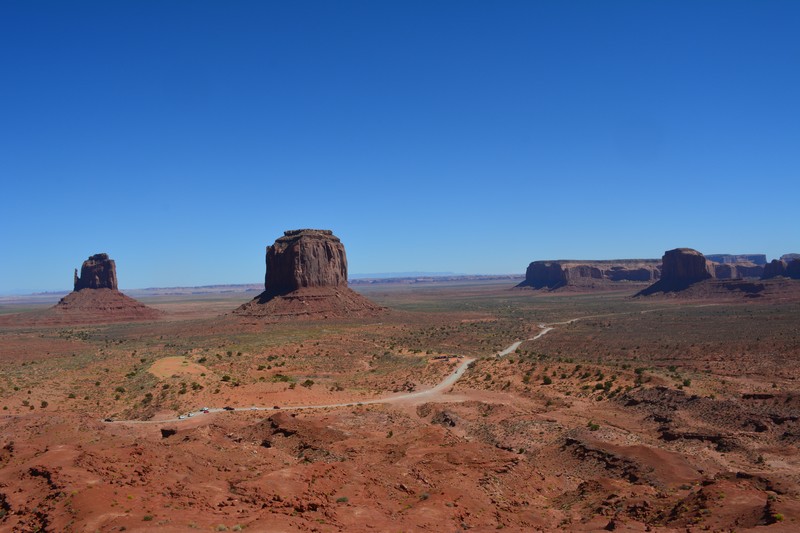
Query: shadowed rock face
680, 268
756, 259
305, 258
97, 272
683, 266
307, 278
779, 267
737, 270
774, 268
555, 274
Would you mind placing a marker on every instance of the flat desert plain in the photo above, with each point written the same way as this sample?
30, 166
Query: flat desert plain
465, 406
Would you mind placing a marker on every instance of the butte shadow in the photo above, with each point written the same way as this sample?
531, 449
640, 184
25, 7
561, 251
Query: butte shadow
95, 299
307, 279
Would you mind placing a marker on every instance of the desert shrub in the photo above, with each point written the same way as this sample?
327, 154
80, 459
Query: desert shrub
547, 380
307, 383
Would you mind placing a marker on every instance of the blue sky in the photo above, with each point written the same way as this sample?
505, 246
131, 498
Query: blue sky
182, 137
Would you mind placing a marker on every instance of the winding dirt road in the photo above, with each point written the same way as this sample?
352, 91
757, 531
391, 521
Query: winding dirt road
447, 382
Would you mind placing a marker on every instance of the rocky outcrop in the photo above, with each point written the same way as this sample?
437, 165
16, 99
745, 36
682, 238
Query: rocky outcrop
305, 258
683, 266
564, 273
778, 267
793, 269
97, 272
680, 268
737, 270
756, 259
789, 257
95, 300
774, 268
307, 278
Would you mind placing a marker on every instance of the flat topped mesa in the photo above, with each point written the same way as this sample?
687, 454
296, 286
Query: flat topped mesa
97, 272
307, 278
305, 258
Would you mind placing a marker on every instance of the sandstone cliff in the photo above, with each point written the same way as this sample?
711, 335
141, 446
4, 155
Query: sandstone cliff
563, 273
779, 267
680, 268
305, 258
756, 259
737, 270
97, 272
307, 278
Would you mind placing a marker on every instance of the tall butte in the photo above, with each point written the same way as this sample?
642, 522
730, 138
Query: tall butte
307, 278
97, 299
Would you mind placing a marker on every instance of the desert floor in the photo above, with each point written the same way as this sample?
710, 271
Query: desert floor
607, 413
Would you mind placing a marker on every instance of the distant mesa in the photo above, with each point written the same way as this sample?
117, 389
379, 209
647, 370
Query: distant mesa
688, 273
789, 257
94, 300
681, 268
559, 274
307, 278
782, 268
756, 259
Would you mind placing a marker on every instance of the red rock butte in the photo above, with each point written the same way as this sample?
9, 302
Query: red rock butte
94, 300
307, 278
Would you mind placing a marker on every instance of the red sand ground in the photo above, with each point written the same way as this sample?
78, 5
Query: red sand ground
681, 418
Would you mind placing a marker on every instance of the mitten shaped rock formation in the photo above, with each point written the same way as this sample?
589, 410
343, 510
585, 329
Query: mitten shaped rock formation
95, 300
589, 274
307, 278
97, 272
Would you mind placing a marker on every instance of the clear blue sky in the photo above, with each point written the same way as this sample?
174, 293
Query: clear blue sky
182, 137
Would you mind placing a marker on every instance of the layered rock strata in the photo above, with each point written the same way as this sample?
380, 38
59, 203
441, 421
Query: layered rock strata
97, 272
756, 259
780, 268
737, 270
305, 258
575, 273
307, 278
680, 268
